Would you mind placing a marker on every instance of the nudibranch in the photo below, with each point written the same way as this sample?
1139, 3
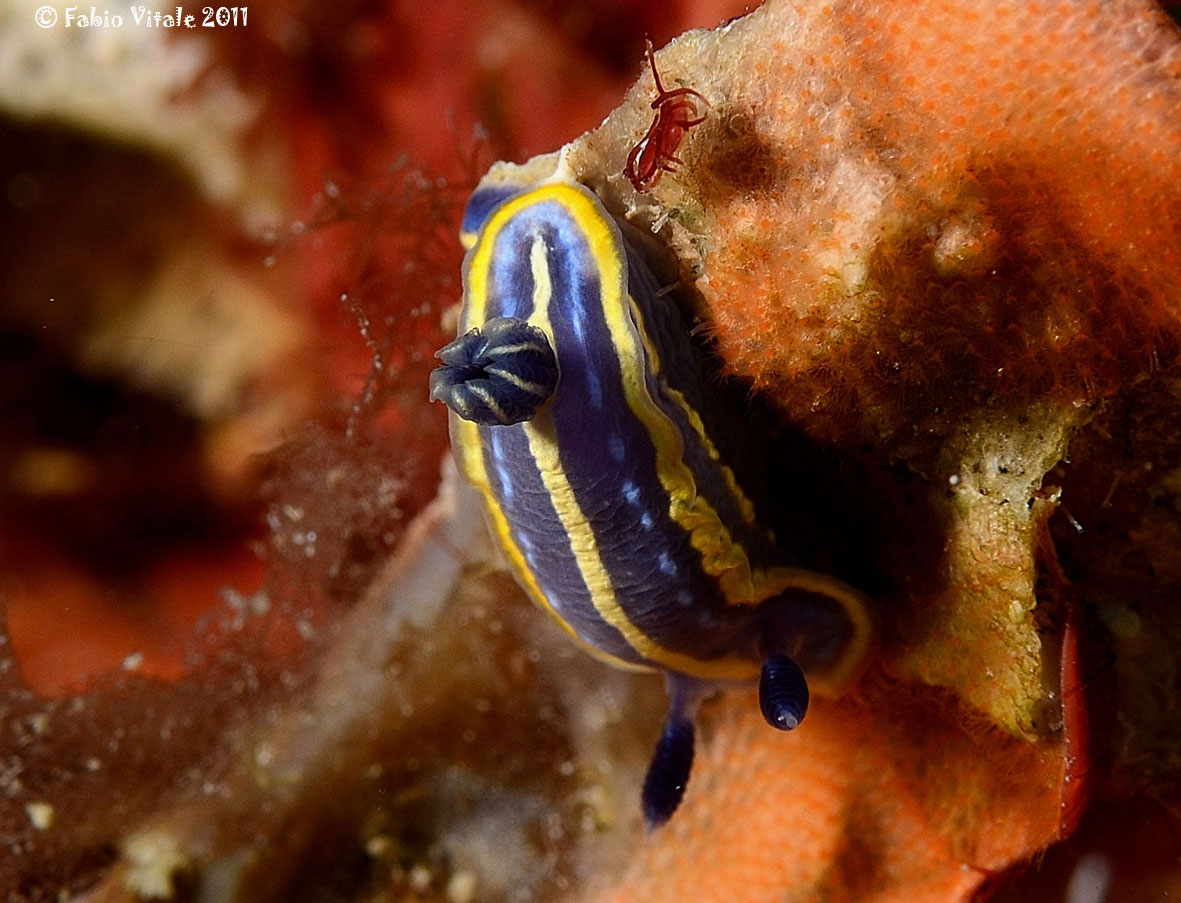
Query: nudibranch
579, 410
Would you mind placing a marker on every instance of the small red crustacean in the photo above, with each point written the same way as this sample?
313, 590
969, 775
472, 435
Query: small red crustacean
676, 113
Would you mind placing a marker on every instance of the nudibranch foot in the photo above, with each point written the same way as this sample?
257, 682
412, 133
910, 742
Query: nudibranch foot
498, 375
668, 772
783, 692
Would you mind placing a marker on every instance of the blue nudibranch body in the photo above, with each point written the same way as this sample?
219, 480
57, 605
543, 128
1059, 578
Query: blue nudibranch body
602, 482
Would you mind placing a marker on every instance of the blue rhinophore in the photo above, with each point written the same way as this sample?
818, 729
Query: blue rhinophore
783, 692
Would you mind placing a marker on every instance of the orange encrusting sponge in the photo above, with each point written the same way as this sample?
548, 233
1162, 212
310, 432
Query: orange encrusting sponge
852, 806
925, 203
